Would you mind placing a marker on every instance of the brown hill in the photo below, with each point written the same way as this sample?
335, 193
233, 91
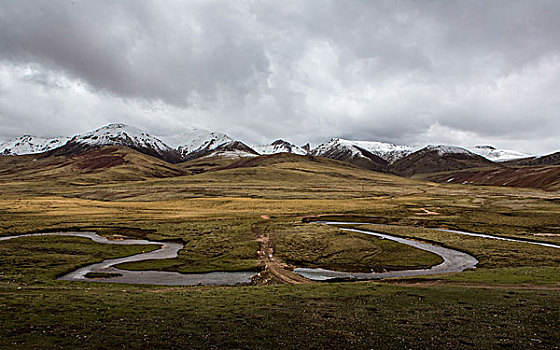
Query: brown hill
72, 148
542, 177
98, 165
433, 159
278, 158
551, 159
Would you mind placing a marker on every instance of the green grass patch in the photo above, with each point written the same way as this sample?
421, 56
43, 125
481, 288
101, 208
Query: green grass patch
509, 275
314, 245
341, 315
210, 245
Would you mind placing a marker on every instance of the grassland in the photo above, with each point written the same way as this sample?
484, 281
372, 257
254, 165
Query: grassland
214, 213
38, 312
314, 245
358, 316
511, 300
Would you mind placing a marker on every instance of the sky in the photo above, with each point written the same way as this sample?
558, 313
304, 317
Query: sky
407, 72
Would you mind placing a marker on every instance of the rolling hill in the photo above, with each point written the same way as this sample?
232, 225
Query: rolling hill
96, 165
550, 159
542, 177
434, 159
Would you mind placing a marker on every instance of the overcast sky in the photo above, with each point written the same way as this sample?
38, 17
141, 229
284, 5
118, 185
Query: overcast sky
453, 72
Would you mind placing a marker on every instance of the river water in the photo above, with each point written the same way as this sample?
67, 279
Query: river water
453, 261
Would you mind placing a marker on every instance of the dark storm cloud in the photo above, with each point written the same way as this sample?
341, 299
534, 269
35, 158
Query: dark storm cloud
458, 72
134, 48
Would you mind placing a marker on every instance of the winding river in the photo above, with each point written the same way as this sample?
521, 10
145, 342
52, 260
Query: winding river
453, 261
168, 250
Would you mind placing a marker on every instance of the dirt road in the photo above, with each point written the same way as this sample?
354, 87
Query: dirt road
274, 269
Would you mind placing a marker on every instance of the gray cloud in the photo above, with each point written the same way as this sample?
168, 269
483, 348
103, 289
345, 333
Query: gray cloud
459, 72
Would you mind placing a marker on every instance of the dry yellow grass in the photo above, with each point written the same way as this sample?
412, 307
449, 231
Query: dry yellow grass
222, 206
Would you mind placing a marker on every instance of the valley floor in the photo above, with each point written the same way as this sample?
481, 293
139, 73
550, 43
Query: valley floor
244, 219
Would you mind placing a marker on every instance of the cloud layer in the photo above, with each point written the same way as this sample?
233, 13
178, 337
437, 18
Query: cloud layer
460, 72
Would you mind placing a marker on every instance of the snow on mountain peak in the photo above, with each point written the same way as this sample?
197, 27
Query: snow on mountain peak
123, 135
194, 143
127, 136
196, 140
280, 146
485, 147
115, 126
388, 151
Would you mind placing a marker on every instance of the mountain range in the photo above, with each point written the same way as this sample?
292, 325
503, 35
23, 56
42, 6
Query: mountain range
203, 145
197, 142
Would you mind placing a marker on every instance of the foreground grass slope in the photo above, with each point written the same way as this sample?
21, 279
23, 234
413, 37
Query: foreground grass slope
356, 315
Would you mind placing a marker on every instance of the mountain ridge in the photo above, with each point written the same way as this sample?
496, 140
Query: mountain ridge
196, 143
28, 144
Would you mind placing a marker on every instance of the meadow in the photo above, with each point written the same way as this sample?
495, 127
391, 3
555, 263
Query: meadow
510, 300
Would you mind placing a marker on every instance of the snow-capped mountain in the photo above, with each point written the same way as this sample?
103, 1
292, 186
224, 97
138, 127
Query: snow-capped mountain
28, 144
543, 160
352, 152
388, 151
280, 146
196, 141
187, 145
499, 155
233, 149
121, 135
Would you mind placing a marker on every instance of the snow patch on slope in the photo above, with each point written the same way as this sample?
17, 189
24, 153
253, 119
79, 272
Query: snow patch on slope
196, 140
444, 149
280, 146
499, 155
232, 154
